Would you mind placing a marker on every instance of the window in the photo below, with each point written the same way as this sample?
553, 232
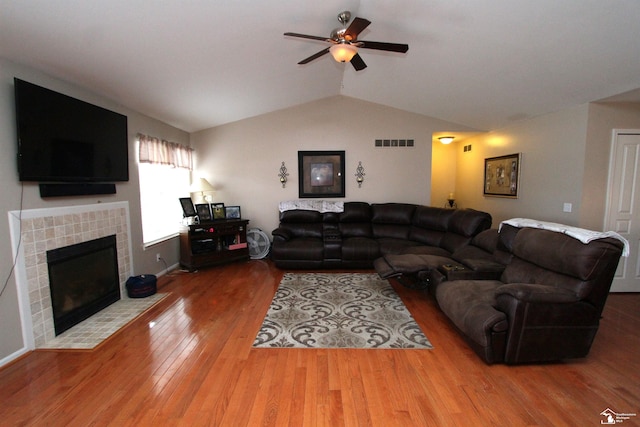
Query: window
164, 169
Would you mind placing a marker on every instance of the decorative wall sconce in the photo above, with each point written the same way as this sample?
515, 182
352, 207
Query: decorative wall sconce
283, 175
451, 202
360, 174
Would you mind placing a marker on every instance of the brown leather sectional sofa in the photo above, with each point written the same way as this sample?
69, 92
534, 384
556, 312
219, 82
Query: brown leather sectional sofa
363, 232
518, 295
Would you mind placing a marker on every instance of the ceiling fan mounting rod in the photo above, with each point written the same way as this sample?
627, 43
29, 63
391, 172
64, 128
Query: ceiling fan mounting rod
344, 17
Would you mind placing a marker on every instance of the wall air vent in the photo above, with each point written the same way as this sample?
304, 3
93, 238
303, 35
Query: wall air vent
384, 143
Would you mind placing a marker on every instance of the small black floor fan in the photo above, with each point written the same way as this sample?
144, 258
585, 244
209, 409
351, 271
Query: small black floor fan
258, 242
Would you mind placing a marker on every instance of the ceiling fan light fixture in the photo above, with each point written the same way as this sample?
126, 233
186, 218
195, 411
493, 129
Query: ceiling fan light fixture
343, 52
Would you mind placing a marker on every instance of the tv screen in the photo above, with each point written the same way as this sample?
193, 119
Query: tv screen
63, 139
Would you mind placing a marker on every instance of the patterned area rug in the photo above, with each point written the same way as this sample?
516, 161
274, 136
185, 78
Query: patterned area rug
343, 310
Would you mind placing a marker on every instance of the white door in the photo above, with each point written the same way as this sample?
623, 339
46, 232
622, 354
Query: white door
623, 209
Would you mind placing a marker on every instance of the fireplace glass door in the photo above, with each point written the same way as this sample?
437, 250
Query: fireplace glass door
83, 279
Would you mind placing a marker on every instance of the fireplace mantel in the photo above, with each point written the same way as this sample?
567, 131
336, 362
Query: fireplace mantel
35, 231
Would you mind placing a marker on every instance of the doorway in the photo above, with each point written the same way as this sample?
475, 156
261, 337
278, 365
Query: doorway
623, 205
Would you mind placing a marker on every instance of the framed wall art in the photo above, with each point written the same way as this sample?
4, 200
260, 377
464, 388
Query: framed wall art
502, 176
321, 174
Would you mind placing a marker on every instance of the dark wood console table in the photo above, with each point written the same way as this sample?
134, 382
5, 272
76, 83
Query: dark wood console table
213, 243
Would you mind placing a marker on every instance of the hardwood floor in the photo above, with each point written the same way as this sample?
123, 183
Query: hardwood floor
189, 361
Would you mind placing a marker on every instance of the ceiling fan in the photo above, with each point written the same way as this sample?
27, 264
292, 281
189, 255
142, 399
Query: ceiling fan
345, 44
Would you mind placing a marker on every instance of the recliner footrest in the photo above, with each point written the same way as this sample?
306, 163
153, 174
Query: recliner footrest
395, 265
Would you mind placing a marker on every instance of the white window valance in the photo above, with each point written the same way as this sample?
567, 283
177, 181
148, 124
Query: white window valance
162, 152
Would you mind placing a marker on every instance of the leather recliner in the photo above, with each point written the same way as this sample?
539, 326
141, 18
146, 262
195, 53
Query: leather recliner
546, 305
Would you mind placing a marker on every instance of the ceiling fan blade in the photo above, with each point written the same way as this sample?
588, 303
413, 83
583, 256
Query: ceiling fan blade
391, 47
355, 28
315, 56
306, 36
358, 63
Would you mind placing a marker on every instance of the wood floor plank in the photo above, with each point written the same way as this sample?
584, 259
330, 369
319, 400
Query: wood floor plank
189, 361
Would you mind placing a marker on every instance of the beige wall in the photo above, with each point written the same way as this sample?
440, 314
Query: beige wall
242, 159
565, 159
11, 190
552, 167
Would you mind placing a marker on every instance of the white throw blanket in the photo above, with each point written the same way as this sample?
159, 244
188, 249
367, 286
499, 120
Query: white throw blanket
581, 234
312, 205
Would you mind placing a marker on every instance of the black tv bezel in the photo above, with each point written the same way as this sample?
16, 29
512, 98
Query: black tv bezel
121, 145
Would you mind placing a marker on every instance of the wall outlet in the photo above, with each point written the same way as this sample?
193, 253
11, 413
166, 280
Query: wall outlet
567, 207
157, 257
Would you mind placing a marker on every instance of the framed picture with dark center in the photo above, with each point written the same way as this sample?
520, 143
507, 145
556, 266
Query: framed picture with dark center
321, 174
204, 212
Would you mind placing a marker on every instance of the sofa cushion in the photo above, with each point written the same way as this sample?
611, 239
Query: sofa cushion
469, 222
355, 229
452, 241
430, 218
360, 248
389, 245
296, 229
426, 236
486, 240
303, 248
301, 223
392, 231
570, 265
356, 212
569, 256
299, 215
426, 250
392, 213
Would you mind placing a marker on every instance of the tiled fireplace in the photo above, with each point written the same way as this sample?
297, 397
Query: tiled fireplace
41, 230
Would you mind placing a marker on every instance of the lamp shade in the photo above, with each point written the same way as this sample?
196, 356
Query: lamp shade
343, 52
200, 186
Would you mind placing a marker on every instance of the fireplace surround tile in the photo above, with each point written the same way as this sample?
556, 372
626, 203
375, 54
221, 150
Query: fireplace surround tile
45, 229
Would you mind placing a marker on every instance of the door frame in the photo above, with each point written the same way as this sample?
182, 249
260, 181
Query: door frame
615, 133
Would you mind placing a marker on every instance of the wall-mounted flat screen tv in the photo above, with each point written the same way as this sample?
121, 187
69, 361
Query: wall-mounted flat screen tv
63, 139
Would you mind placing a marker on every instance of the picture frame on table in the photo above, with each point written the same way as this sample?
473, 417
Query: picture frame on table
502, 176
217, 210
188, 210
321, 174
232, 212
204, 211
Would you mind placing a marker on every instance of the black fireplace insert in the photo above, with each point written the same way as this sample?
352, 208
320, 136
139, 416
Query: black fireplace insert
83, 279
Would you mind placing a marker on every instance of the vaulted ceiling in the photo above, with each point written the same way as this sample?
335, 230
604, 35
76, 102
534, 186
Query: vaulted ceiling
198, 64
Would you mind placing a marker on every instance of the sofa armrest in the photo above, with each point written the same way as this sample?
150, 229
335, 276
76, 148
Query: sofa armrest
281, 234
545, 323
534, 293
